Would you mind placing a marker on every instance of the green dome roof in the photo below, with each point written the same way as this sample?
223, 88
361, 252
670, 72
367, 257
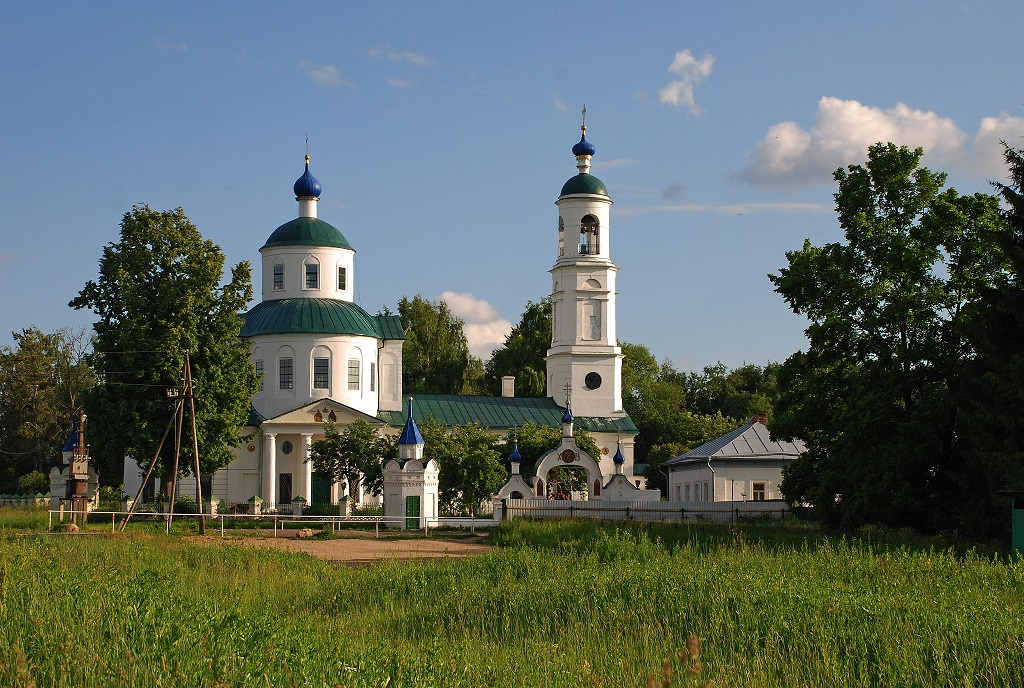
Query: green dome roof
307, 231
310, 316
584, 183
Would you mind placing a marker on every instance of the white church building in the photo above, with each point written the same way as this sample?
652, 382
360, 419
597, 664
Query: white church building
323, 357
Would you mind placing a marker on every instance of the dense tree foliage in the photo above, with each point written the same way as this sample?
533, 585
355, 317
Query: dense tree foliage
435, 355
158, 295
42, 380
471, 469
522, 354
879, 395
993, 413
352, 456
676, 411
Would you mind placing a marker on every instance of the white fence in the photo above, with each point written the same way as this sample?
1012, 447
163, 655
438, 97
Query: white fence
655, 512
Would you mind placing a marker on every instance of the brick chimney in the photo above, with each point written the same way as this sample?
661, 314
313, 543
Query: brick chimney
508, 386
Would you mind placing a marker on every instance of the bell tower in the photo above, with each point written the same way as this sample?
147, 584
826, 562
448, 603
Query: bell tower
584, 353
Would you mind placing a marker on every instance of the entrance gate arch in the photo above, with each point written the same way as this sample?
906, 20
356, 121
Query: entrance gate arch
568, 455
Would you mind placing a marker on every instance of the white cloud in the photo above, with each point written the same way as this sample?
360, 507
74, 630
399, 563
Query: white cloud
988, 151
559, 105
325, 74
401, 83
407, 57
691, 72
485, 329
729, 208
790, 156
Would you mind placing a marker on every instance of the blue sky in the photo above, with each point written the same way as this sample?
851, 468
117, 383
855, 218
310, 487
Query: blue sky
441, 133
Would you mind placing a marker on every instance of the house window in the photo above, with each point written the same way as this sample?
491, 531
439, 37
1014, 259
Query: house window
286, 377
758, 492
259, 373
321, 373
278, 277
353, 373
373, 376
312, 276
687, 492
342, 278
706, 493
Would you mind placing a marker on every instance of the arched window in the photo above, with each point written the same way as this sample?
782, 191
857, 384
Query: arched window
278, 276
597, 488
561, 237
285, 368
589, 227
321, 362
311, 269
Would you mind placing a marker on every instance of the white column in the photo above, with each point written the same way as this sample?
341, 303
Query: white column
269, 470
306, 469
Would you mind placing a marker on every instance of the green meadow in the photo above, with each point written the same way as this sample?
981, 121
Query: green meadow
554, 604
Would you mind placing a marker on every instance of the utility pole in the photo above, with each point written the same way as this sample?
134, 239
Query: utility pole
187, 391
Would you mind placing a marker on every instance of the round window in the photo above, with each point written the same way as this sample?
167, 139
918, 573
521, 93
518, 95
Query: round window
286, 447
592, 380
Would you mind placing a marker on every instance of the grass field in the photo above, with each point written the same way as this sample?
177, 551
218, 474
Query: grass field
556, 604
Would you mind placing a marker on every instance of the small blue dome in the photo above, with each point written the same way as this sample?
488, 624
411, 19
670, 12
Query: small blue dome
619, 458
515, 456
567, 416
307, 186
584, 147
411, 432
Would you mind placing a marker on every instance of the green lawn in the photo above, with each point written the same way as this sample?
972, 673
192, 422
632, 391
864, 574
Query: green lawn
571, 604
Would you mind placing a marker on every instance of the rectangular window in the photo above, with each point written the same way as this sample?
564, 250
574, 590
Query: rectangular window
373, 376
312, 276
285, 375
278, 277
321, 373
342, 278
687, 491
706, 493
259, 373
353, 373
759, 492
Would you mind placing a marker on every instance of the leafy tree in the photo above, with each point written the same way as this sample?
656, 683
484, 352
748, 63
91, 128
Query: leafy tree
351, 455
471, 469
877, 394
737, 393
523, 353
158, 295
42, 381
992, 418
435, 354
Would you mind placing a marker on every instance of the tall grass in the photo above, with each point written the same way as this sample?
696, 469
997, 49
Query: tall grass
562, 605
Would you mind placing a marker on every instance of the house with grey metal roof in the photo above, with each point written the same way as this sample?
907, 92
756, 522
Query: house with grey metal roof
742, 465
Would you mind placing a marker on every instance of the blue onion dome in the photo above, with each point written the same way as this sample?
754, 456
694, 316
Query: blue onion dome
515, 456
584, 147
411, 432
567, 416
307, 186
619, 458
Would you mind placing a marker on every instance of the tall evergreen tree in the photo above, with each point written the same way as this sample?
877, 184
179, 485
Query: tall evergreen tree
160, 293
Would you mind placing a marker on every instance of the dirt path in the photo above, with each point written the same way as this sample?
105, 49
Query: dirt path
362, 548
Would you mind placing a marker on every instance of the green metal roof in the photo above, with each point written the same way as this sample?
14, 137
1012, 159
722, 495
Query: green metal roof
584, 183
391, 326
500, 413
307, 231
310, 316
